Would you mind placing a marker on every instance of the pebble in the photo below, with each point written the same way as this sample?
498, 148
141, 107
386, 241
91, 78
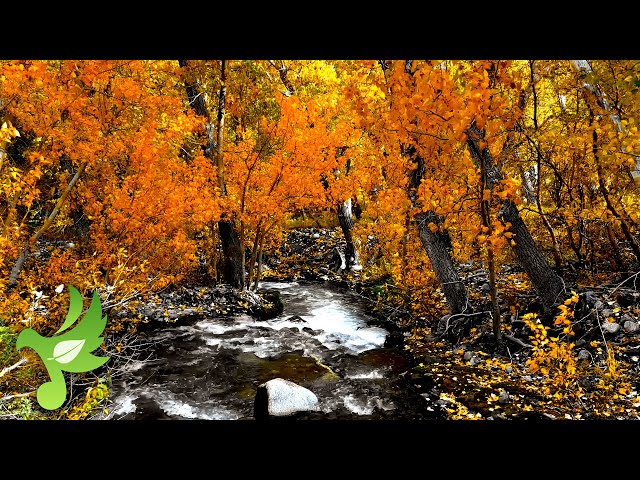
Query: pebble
610, 327
504, 396
584, 354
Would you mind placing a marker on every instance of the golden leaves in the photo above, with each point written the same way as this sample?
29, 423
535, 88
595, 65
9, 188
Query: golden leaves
8, 132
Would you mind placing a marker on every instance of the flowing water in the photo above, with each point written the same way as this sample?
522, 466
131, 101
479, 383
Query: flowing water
325, 340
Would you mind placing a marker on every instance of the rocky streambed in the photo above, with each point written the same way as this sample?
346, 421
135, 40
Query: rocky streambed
210, 367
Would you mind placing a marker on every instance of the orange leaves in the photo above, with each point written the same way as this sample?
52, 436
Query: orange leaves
495, 237
566, 314
507, 189
552, 358
137, 192
350, 128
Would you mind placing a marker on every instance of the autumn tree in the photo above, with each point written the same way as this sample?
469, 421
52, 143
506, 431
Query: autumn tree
320, 82
410, 141
233, 254
433, 235
547, 283
99, 170
610, 154
583, 186
285, 156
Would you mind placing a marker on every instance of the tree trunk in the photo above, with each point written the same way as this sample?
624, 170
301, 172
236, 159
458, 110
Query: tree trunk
547, 284
616, 260
437, 244
576, 247
485, 210
437, 247
345, 219
254, 256
232, 261
259, 271
232, 255
557, 258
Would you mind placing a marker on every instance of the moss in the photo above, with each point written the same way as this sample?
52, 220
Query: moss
8, 354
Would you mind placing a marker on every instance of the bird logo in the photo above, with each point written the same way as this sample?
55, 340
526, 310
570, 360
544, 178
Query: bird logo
69, 351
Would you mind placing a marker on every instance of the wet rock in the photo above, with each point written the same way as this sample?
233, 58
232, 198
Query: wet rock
394, 340
626, 318
148, 408
280, 398
586, 302
311, 331
270, 306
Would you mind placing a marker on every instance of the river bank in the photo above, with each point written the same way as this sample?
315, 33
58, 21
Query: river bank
531, 374
463, 372
471, 376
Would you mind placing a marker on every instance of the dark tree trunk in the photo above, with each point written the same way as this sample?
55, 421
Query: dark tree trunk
437, 244
232, 255
616, 260
437, 247
232, 251
547, 284
345, 220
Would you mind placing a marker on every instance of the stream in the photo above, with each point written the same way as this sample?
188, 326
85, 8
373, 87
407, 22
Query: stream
325, 340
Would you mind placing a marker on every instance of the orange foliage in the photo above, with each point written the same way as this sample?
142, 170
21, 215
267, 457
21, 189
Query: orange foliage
143, 211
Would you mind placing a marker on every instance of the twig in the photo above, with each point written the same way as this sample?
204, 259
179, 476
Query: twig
15, 365
623, 282
517, 340
472, 314
17, 395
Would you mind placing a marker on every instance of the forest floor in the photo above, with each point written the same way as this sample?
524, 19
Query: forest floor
580, 362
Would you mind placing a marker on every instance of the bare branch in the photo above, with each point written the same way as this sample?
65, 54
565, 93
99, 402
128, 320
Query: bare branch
17, 395
15, 365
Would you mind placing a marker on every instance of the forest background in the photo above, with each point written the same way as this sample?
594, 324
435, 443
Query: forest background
128, 177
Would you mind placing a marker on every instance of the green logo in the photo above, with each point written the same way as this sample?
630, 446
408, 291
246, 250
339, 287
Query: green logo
70, 351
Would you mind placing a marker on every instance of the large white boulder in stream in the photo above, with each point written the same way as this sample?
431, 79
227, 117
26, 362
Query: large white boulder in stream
280, 398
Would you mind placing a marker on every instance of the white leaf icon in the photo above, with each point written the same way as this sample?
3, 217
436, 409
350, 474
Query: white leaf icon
67, 350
